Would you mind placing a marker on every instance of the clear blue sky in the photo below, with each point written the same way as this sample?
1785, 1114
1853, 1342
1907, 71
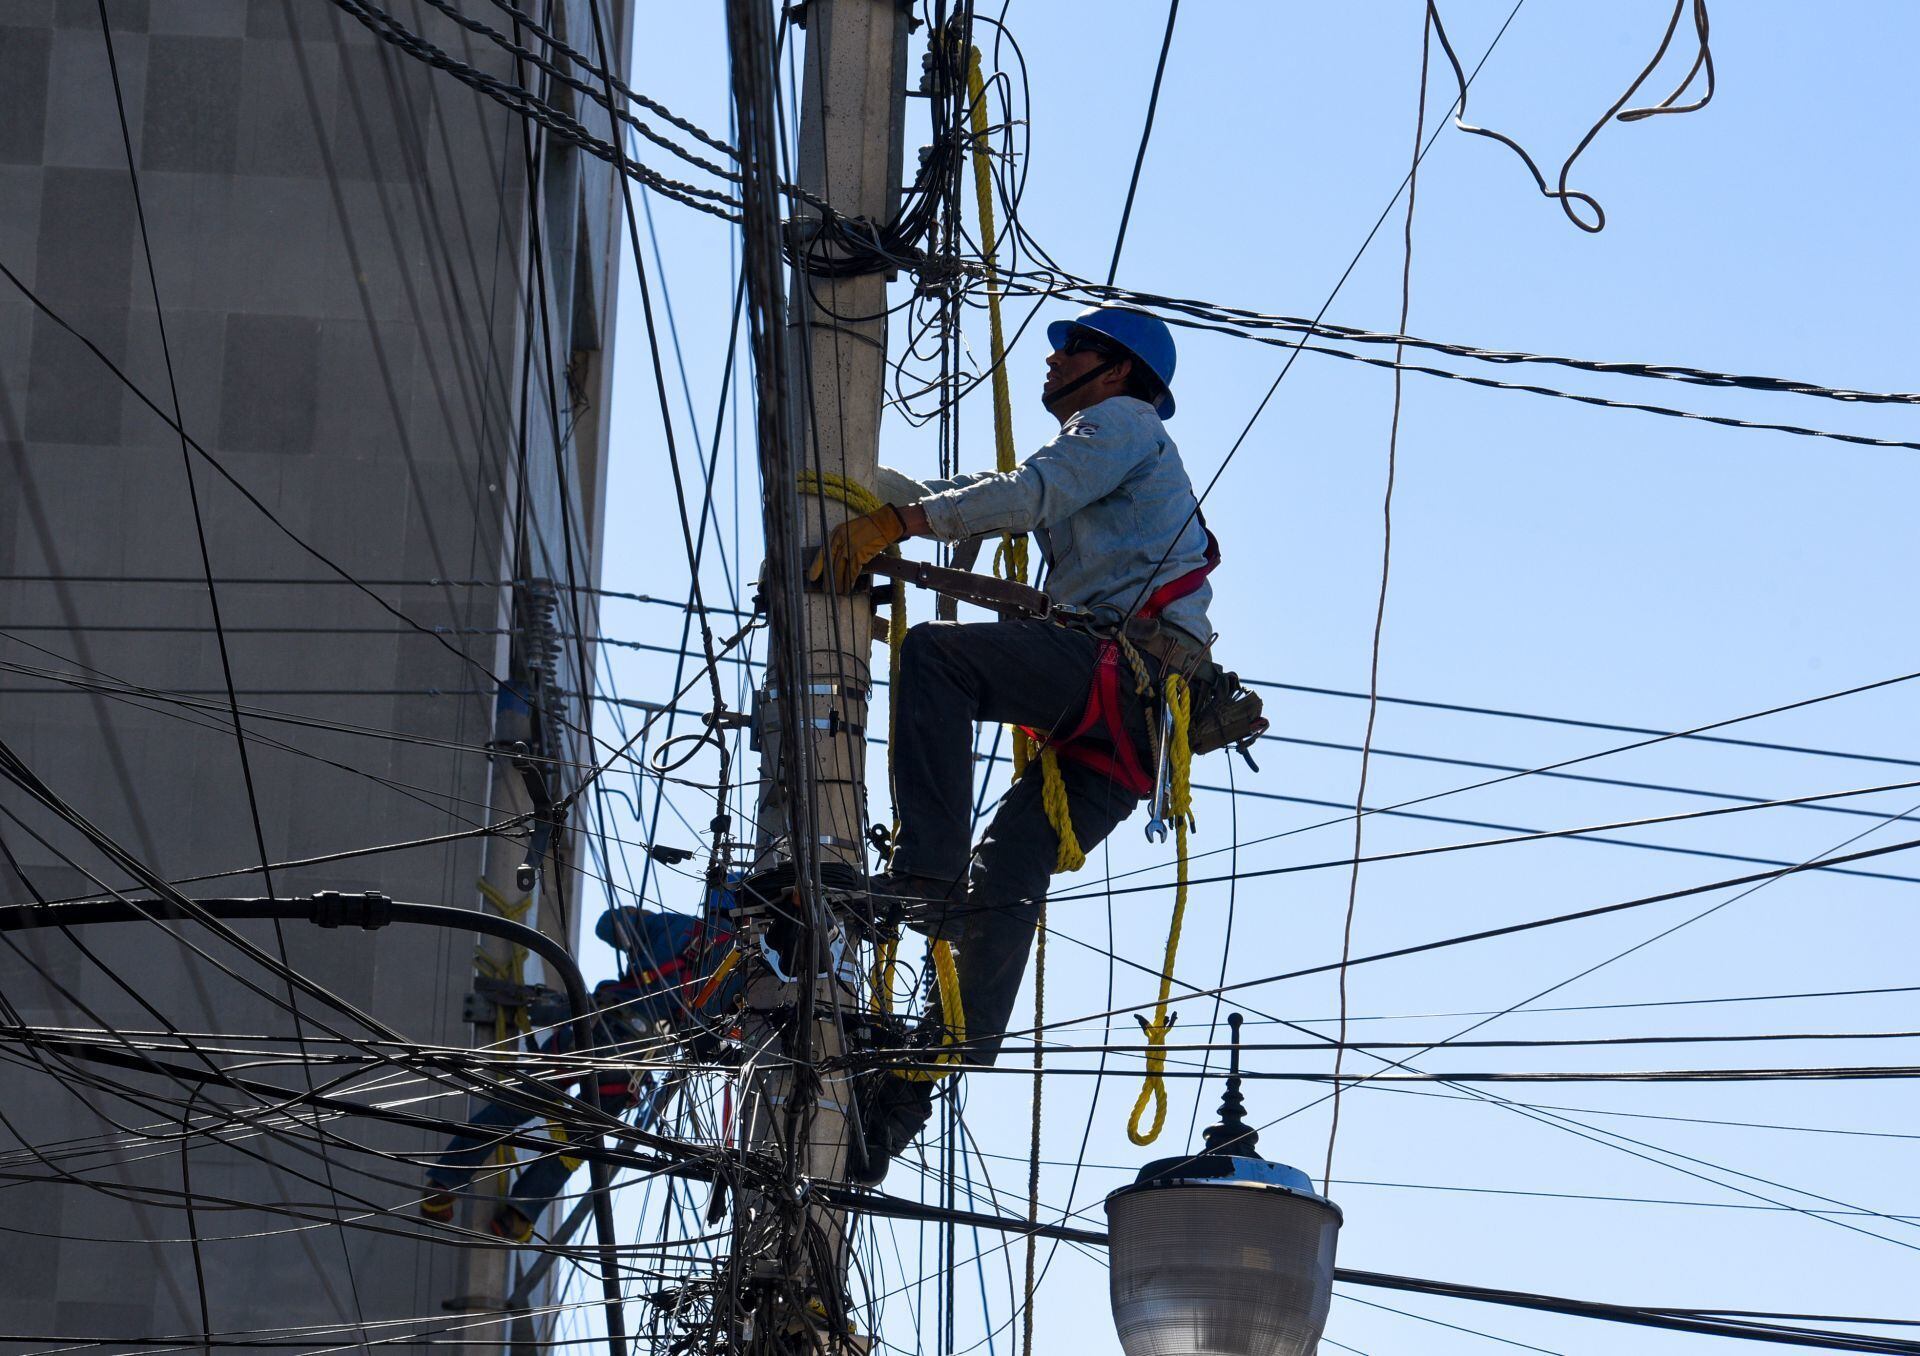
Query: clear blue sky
1548, 557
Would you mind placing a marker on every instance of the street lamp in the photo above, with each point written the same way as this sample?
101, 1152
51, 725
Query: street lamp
1222, 1253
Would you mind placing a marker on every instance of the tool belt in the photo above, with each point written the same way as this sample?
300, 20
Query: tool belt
1171, 649
1226, 714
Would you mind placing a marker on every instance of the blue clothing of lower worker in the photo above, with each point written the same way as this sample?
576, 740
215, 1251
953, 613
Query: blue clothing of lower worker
536, 1186
668, 961
1111, 505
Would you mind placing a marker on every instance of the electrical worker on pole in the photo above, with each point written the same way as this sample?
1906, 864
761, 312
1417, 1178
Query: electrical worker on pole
1114, 512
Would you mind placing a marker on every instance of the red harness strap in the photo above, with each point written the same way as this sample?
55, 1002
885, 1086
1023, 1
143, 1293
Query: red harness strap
1118, 760
1104, 715
676, 966
1175, 589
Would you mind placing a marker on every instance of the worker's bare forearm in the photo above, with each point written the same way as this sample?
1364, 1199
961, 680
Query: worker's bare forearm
914, 519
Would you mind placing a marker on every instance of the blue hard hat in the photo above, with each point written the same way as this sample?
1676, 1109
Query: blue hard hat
1144, 336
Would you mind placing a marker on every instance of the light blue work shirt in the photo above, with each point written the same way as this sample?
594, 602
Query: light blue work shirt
1109, 501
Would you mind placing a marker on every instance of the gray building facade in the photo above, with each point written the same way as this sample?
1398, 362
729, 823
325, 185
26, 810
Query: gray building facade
387, 306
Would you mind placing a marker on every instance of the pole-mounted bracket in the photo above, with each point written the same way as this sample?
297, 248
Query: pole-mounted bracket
546, 818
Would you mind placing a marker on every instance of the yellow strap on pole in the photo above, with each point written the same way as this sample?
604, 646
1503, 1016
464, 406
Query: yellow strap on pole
515, 909
950, 1009
1010, 557
1154, 1090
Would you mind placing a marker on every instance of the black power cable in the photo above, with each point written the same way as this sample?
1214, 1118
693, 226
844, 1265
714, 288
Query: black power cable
1700, 1321
370, 912
1146, 135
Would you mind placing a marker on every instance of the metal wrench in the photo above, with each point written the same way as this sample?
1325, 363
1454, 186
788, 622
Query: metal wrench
1157, 827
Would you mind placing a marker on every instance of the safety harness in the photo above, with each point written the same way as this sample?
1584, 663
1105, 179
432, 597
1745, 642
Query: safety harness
1104, 716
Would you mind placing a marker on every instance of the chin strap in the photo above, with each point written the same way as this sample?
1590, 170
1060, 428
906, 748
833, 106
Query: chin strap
1079, 381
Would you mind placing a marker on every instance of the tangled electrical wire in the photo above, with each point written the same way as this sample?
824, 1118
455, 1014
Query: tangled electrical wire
688, 1279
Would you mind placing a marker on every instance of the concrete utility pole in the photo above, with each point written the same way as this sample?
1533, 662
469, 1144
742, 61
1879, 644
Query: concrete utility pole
852, 116
812, 810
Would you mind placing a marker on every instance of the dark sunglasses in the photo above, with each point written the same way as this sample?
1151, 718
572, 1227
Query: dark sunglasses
1083, 342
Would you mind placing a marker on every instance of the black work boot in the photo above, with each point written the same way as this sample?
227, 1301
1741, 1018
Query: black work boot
889, 886
920, 902
892, 1112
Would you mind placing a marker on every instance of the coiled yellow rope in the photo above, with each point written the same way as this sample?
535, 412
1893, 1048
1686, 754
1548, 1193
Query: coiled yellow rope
1053, 794
1154, 1090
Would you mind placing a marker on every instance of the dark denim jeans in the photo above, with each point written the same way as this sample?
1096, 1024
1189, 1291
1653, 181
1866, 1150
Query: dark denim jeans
1030, 673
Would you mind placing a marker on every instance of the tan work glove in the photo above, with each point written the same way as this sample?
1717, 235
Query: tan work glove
851, 545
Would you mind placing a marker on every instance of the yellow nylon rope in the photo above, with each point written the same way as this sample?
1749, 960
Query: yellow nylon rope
719, 977
1039, 1081
1154, 1090
880, 980
1010, 557
951, 1010
1053, 794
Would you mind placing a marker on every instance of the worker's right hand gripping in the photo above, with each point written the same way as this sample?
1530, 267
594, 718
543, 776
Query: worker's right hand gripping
850, 546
